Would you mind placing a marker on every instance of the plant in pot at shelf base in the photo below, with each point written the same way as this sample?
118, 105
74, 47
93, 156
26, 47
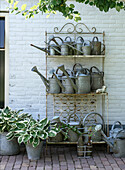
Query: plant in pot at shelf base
32, 133
8, 120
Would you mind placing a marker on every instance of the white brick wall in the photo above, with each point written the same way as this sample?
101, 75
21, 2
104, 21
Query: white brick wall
26, 89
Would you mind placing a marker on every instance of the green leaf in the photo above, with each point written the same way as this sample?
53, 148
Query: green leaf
52, 133
26, 138
36, 142
72, 6
20, 139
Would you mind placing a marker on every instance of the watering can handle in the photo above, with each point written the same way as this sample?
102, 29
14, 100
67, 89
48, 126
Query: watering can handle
76, 65
93, 40
119, 132
96, 69
69, 38
71, 72
113, 126
82, 40
76, 115
103, 48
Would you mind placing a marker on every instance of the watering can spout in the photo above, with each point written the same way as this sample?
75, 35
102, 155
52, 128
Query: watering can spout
59, 83
40, 48
105, 138
62, 68
45, 81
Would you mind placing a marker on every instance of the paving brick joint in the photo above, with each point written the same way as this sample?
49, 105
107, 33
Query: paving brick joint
63, 158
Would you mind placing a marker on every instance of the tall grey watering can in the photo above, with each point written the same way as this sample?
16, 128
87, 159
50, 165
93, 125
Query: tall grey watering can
68, 81
118, 144
96, 48
96, 78
53, 84
79, 44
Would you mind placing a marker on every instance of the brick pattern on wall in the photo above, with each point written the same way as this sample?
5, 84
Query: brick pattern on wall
26, 89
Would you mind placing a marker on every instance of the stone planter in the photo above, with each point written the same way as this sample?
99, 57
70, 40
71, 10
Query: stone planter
34, 153
8, 147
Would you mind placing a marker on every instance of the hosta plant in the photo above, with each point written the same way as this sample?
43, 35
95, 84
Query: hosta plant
9, 119
33, 131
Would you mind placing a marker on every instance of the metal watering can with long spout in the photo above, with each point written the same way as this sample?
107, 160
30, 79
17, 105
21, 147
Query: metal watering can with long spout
68, 81
117, 143
53, 84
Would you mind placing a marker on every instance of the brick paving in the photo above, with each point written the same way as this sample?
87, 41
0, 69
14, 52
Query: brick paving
63, 157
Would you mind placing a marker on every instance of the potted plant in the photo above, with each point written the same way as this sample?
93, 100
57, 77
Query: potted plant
32, 133
8, 120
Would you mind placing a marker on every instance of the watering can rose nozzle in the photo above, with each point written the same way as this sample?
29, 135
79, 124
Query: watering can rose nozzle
98, 127
34, 69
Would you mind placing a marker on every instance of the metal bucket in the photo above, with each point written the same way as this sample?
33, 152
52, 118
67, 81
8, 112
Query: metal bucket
119, 147
34, 153
8, 147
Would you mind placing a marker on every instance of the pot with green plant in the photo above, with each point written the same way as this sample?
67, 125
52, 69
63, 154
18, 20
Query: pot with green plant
32, 133
8, 120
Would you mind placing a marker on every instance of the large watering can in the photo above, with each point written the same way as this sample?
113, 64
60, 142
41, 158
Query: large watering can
68, 81
76, 122
83, 81
118, 144
96, 46
86, 48
79, 44
89, 122
96, 78
53, 84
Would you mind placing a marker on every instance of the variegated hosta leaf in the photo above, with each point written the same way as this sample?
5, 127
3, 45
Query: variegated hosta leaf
20, 139
21, 125
33, 133
36, 142
31, 140
10, 136
26, 138
43, 123
52, 133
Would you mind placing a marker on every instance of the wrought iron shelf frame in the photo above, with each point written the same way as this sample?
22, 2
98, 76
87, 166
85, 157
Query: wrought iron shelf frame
75, 56
77, 30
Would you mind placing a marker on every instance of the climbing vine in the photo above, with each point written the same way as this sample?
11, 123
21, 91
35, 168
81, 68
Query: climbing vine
67, 10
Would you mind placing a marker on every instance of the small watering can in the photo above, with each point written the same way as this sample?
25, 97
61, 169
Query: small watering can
96, 47
75, 123
118, 144
86, 48
96, 78
68, 81
53, 84
79, 44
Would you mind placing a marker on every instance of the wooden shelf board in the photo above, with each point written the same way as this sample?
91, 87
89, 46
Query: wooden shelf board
75, 56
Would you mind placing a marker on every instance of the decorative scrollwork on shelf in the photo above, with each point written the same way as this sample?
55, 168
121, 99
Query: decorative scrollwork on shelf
69, 30
75, 28
81, 30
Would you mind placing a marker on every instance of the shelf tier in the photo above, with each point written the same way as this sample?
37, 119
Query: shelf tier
73, 143
75, 56
64, 94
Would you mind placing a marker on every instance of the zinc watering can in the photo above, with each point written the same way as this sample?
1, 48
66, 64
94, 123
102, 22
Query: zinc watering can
53, 84
96, 46
96, 78
118, 144
86, 48
79, 44
68, 81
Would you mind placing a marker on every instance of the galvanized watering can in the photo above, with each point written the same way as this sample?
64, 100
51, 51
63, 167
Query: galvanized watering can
68, 81
90, 121
78, 68
75, 123
86, 48
118, 144
96, 46
53, 84
96, 78
79, 44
